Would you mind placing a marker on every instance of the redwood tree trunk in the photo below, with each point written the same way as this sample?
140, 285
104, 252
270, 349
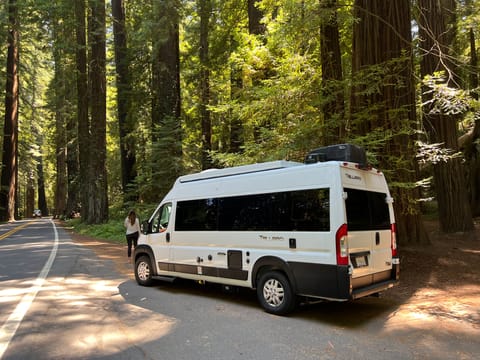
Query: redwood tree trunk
83, 128
332, 87
470, 150
10, 129
166, 161
98, 200
125, 123
236, 139
437, 34
61, 184
42, 198
205, 8
387, 116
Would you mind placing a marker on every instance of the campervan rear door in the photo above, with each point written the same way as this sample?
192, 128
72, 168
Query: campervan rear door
368, 216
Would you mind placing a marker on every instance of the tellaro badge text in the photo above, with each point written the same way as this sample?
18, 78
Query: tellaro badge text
353, 177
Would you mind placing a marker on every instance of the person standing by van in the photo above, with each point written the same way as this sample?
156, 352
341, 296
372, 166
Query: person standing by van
133, 232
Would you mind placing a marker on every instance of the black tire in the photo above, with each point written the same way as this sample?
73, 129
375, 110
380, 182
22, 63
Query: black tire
143, 271
275, 293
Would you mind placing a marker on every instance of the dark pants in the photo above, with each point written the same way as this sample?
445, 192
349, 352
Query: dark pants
132, 240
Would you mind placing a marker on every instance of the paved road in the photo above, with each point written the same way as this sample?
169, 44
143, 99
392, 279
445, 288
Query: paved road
58, 300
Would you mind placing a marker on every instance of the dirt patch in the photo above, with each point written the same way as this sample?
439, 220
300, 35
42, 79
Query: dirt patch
442, 280
437, 282
104, 249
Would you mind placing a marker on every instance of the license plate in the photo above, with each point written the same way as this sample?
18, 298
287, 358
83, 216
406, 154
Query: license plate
361, 261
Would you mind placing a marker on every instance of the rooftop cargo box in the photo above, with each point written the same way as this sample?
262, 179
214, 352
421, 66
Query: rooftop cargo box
341, 152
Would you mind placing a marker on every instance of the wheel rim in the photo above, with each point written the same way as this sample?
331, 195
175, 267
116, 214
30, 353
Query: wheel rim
273, 292
143, 271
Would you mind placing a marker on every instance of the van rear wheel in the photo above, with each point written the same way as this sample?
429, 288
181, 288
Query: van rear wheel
143, 271
275, 293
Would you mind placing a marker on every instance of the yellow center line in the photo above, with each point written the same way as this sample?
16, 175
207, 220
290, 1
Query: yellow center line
14, 230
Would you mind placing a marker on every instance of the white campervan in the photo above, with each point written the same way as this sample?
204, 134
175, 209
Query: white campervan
322, 230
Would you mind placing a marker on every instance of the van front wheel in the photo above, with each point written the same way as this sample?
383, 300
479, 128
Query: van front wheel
143, 271
275, 293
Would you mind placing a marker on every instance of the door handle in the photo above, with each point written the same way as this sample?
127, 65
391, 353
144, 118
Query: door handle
377, 238
167, 237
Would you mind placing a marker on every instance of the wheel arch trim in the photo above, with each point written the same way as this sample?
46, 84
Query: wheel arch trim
272, 263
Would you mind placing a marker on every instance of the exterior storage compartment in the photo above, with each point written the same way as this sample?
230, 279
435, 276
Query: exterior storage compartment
341, 152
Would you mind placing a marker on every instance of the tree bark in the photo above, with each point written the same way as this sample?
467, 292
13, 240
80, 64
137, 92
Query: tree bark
332, 86
42, 199
236, 139
255, 15
125, 123
83, 127
469, 148
166, 65
437, 31
205, 9
10, 130
30, 195
61, 185
387, 115
98, 199
166, 161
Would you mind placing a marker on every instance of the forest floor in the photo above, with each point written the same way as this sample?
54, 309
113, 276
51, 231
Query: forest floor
439, 283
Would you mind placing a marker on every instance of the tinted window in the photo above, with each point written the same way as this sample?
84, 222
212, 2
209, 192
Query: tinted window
196, 215
367, 210
306, 210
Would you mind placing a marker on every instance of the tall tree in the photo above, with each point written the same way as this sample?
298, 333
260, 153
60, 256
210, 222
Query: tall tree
205, 10
437, 30
97, 179
236, 84
469, 140
83, 129
384, 111
165, 89
125, 121
8, 180
332, 87
42, 199
59, 80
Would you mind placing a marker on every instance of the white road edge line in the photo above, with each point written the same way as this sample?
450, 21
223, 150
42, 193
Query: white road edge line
10, 327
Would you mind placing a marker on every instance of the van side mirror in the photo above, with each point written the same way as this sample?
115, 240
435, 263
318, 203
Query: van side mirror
146, 228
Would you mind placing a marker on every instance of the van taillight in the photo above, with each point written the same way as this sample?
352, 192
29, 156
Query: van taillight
393, 229
341, 239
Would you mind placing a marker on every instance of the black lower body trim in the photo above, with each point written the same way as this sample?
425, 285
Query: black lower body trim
235, 274
321, 280
334, 282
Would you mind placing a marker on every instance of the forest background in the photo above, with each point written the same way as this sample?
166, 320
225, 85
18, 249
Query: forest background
106, 103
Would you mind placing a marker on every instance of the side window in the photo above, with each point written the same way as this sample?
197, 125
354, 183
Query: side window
196, 215
304, 210
311, 210
161, 218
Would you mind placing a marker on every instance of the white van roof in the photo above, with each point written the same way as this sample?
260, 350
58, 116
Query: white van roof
237, 170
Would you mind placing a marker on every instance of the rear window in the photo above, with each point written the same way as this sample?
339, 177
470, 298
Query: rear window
367, 210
